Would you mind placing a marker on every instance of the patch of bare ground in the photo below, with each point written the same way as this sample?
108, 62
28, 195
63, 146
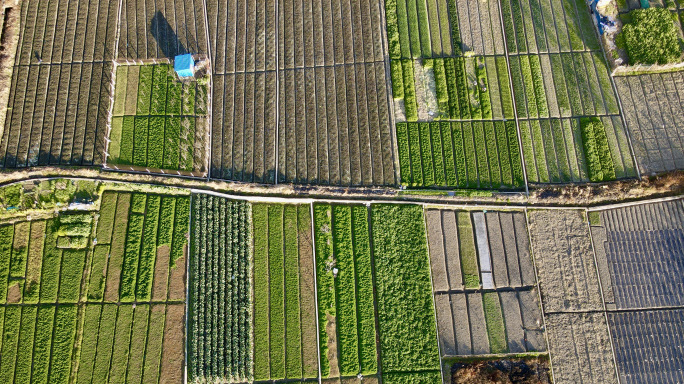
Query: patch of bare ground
14, 293
172, 348
667, 184
9, 36
504, 371
161, 273
426, 95
331, 330
177, 278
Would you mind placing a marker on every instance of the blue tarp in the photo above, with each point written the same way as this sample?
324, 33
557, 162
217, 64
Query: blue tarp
184, 65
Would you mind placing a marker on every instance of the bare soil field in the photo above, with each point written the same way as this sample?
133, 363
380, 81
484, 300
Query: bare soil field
652, 105
164, 30
562, 250
657, 337
505, 371
57, 115
638, 252
67, 31
580, 349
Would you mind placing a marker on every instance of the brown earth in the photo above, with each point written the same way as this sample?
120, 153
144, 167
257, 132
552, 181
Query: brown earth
172, 348
161, 273
177, 278
308, 299
8, 49
331, 330
14, 293
513, 371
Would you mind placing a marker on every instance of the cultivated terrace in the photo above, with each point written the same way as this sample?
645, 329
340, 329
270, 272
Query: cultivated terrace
341, 192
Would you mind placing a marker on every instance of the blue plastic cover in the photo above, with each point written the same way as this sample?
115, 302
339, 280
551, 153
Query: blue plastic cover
183, 65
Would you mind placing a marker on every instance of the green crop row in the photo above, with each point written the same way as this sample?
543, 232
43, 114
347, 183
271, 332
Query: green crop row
397, 79
408, 336
219, 318
455, 33
63, 343
485, 102
464, 155
293, 332
427, 377
155, 144
277, 296
131, 257
410, 103
145, 89
261, 288
148, 252
325, 260
597, 150
466, 246
496, 330
158, 98
393, 29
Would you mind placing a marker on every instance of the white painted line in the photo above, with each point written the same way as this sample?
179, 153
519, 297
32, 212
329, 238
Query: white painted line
482, 242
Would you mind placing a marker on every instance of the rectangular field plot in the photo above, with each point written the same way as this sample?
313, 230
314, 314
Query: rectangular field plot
67, 31
57, 115
563, 254
478, 28
562, 85
244, 127
345, 291
648, 345
652, 105
334, 126
548, 26
220, 318
420, 28
639, 251
562, 150
161, 31
68, 287
460, 154
471, 250
452, 88
159, 122
489, 322
579, 345
408, 335
284, 301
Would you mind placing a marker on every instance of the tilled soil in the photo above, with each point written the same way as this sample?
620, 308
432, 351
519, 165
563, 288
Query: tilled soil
518, 371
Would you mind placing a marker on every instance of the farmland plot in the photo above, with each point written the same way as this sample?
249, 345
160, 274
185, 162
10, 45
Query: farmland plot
159, 122
556, 150
284, 307
652, 106
580, 348
75, 259
334, 126
548, 26
345, 291
460, 154
65, 32
563, 253
479, 25
220, 318
57, 115
408, 334
163, 31
244, 127
419, 28
638, 251
656, 334
483, 250
562, 85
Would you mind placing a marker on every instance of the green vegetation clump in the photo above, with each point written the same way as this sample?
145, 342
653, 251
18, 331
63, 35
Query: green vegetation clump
597, 150
651, 37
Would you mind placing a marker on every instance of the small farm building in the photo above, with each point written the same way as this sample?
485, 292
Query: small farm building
184, 65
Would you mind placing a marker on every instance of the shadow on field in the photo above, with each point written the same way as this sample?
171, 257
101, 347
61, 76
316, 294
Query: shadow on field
166, 37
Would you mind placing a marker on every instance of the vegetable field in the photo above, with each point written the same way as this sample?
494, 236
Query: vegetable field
419, 28
162, 31
556, 150
220, 316
284, 306
344, 275
158, 121
402, 274
463, 155
95, 295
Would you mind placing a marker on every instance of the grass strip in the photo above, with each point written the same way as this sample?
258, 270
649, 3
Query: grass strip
277, 296
148, 253
261, 288
449, 160
466, 248
293, 337
364, 285
410, 103
324, 278
437, 153
426, 154
404, 153
397, 79
416, 160
63, 343
496, 331
42, 343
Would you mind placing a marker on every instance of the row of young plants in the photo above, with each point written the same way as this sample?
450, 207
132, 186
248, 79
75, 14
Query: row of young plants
460, 154
345, 291
220, 318
285, 345
156, 142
